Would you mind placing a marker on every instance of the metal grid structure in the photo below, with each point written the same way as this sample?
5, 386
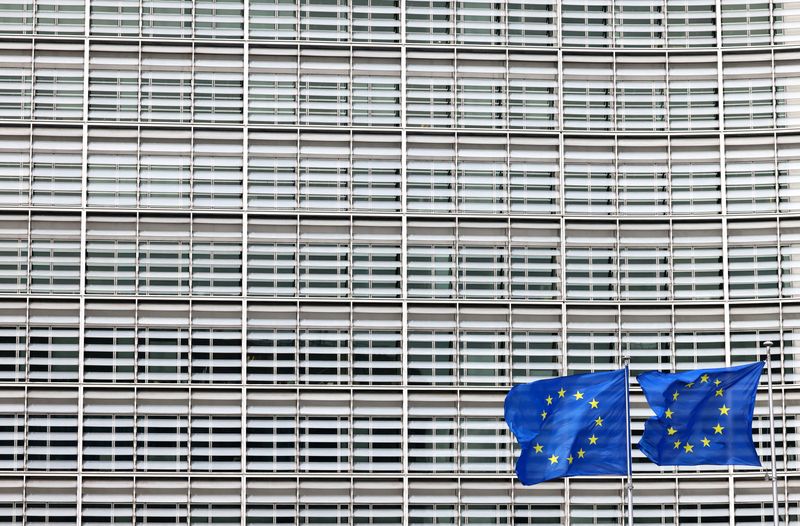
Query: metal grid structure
278, 261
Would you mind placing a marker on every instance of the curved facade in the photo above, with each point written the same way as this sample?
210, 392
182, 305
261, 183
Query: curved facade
278, 261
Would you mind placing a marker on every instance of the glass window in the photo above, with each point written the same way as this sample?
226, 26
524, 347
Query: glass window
693, 92
219, 18
216, 351
58, 81
162, 344
376, 20
271, 425
325, 434
273, 19
695, 176
14, 254
432, 345
430, 89
55, 259
16, 84
167, 20
535, 344
430, 21
112, 166
376, 161
324, 20
114, 17
532, 91
482, 174
591, 261
585, 23
432, 434
166, 83
60, 17
272, 86
638, 25
57, 162
697, 260
535, 260
324, 258
377, 259
691, 23
162, 431
431, 173
165, 168
113, 82
272, 170
52, 433
588, 93
272, 344
325, 87
431, 259
109, 343
324, 345
480, 23
376, 88
750, 185
377, 431
111, 255
218, 84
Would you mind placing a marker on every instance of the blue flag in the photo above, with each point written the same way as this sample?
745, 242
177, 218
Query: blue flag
703, 416
572, 425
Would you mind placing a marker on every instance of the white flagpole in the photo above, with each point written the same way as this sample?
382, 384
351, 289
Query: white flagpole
775, 515
629, 485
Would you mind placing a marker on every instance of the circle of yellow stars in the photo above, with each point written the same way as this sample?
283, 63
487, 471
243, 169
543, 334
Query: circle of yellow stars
718, 429
592, 440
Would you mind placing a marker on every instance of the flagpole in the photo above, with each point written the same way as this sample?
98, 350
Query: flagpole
629, 485
775, 517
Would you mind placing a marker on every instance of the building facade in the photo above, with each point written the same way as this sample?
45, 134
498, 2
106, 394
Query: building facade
279, 261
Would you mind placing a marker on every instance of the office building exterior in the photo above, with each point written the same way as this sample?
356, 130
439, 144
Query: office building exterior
279, 261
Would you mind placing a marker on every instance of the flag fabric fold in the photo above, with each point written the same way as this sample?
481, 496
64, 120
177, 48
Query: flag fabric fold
704, 416
571, 425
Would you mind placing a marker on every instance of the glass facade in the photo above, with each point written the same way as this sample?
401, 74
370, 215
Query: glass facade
279, 261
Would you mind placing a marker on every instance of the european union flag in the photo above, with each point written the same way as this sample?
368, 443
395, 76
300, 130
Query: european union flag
572, 425
702, 417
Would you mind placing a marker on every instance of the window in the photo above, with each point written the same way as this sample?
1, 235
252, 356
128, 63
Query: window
432, 345
271, 425
534, 175
52, 432
586, 24
432, 260
324, 87
691, 23
112, 167
430, 21
108, 425
51, 500
324, 20
166, 83
482, 174
376, 88
376, 20
642, 176
172, 20
58, 81
481, 85
324, 258
532, 91
589, 178
638, 26
787, 82
535, 344
431, 172
273, 19
376, 259
482, 260
325, 434
324, 347
377, 345
592, 340
753, 260
114, 17
164, 254
272, 344
432, 433
745, 22
483, 435
480, 23
532, 22
216, 256
588, 93
750, 184
641, 98
13, 343
55, 254
695, 176
747, 88
697, 260
12, 438
14, 254
430, 90
165, 161
272, 86
216, 351
111, 254
217, 170
218, 82
60, 17
16, 85
272, 170
162, 346
216, 439
113, 82
644, 262
324, 174
483, 346
699, 338
57, 162
219, 18
109, 342
693, 92
376, 168
17, 18
377, 431
272, 256
162, 432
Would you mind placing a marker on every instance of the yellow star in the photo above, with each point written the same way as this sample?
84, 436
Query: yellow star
594, 403
592, 439
581, 452
598, 422
724, 410
677, 444
717, 382
544, 414
706, 442
704, 379
671, 431
719, 392
538, 448
549, 400
561, 393
675, 395
718, 429
569, 459
668, 413
578, 395
553, 459
689, 385
688, 448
